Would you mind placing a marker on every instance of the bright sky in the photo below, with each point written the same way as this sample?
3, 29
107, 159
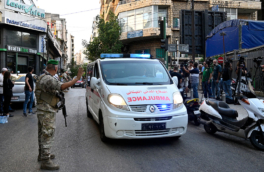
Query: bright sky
80, 24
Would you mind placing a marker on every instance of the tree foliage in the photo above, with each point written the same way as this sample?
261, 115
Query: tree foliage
74, 69
108, 38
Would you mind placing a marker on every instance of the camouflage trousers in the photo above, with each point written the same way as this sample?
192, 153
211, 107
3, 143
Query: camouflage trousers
46, 131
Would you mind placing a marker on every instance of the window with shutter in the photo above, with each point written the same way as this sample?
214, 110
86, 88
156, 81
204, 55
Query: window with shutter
176, 22
160, 53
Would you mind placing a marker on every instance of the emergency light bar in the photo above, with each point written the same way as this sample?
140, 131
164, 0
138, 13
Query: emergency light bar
111, 55
141, 56
144, 56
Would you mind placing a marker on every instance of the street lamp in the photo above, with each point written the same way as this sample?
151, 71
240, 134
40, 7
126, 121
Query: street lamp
47, 43
223, 34
176, 53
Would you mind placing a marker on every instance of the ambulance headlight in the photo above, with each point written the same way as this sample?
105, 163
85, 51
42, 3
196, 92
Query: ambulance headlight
177, 100
117, 101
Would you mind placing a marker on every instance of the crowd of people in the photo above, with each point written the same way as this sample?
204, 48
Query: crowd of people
6, 93
210, 77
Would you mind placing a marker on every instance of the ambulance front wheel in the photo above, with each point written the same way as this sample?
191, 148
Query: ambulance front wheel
102, 129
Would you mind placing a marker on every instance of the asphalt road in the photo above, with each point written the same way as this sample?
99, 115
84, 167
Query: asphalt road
78, 147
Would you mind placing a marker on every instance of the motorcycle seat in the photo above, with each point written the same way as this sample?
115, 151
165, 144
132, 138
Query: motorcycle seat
235, 122
223, 109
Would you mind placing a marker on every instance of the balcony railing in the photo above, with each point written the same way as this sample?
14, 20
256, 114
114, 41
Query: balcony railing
154, 1
126, 1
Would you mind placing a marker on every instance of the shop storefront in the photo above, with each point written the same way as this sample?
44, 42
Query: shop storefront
19, 58
23, 43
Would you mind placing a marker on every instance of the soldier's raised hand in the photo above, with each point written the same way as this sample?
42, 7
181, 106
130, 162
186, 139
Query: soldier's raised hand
80, 73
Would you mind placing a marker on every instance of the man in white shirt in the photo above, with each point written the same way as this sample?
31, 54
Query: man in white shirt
1, 89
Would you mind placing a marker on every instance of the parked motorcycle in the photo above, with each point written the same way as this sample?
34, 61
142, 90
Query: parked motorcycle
218, 116
192, 106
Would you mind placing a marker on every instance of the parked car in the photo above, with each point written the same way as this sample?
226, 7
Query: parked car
19, 88
79, 83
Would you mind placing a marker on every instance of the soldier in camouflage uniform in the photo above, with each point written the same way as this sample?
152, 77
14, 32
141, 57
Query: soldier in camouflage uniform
46, 89
68, 76
64, 76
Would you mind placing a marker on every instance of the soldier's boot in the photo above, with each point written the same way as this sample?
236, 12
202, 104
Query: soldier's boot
52, 156
49, 165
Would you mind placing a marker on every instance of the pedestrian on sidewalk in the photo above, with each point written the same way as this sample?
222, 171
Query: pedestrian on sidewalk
47, 88
194, 79
1, 89
201, 68
227, 74
8, 93
206, 82
29, 92
216, 79
178, 75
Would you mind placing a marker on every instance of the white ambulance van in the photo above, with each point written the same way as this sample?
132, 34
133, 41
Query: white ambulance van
134, 97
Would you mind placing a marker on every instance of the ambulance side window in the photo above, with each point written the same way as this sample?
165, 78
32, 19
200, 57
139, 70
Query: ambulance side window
89, 75
96, 71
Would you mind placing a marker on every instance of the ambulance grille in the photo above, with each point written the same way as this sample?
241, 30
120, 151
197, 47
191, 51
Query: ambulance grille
164, 108
154, 119
138, 108
152, 133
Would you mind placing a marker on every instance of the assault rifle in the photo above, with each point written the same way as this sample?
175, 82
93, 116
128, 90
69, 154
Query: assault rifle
61, 105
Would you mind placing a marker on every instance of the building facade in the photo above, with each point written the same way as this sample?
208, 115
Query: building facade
21, 35
25, 38
77, 58
58, 28
236, 9
140, 26
70, 45
94, 30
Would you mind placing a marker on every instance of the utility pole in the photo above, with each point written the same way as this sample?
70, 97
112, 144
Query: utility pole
164, 39
47, 43
223, 34
193, 32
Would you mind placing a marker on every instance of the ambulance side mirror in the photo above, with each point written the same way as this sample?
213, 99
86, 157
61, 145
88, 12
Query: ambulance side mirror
95, 83
175, 80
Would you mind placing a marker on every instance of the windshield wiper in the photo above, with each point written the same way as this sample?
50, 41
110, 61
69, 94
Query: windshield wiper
144, 83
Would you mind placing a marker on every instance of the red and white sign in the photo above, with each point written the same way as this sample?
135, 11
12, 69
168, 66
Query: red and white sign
220, 60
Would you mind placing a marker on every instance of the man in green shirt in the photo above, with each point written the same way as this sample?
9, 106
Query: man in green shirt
206, 82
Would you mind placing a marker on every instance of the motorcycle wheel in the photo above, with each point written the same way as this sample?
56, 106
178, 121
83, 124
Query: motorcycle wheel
196, 121
256, 141
210, 128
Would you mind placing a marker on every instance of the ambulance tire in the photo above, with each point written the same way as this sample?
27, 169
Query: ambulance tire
89, 115
174, 138
101, 128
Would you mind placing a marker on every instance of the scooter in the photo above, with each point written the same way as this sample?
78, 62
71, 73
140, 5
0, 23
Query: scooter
218, 116
192, 105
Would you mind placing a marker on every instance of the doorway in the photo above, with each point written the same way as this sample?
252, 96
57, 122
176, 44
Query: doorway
22, 64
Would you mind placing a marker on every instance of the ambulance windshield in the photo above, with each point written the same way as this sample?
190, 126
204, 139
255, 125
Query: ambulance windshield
131, 72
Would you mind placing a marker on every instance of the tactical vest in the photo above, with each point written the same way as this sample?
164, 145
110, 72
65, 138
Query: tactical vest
46, 97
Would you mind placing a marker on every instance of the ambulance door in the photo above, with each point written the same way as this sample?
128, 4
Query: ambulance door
95, 92
88, 87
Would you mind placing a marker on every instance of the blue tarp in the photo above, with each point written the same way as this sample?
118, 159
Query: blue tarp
252, 36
